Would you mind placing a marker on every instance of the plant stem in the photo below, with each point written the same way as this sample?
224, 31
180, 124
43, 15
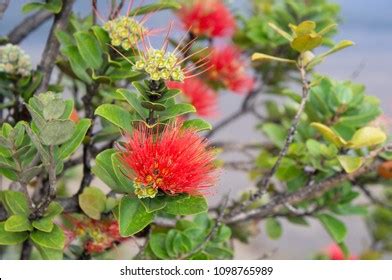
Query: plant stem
262, 185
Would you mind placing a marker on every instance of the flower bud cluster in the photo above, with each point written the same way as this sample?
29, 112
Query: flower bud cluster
160, 66
124, 31
14, 61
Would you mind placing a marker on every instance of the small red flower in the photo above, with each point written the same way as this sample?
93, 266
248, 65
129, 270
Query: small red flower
74, 116
199, 94
335, 253
210, 18
228, 67
176, 161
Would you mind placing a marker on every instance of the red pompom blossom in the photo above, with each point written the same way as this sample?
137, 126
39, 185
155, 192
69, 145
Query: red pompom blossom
176, 161
210, 18
98, 235
199, 94
228, 67
334, 252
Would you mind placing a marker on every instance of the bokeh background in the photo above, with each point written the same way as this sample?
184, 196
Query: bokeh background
368, 24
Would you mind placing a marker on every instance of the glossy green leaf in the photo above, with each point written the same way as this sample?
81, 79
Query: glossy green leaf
336, 229
121, 172
197, 125
93, 202
77, 63
186, 205
273, 228
104, 170
132, 99
54, 239
16, 203
53, 210
157, 6
53, 6
17, 223
49, 253
158, 245
102, 36
133, 217
153, 106
153, 204
89, 49
11, 238
176, 110
43, 224
69, 147
116, 115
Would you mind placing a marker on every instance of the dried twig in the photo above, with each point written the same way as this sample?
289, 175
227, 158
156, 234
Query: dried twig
52, 44
375, 200
311, 190
3, 7
27, 26
264, 182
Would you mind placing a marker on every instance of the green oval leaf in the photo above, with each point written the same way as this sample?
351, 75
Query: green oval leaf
18, 223
133, 217
336, 229
197, 125
44, 224
116, 115
185, 205
273, 228
16, 203
93, 202
52, 240
57, 132
176, 110
68, 148
11, 238
89, 49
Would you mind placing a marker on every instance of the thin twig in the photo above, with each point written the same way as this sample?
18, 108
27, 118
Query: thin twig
264, 182
52, 47
3, 7
212, 232
311, 190
374, 199
88, 146
27, 26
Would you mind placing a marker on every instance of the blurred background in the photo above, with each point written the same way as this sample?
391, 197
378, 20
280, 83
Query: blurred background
368, 24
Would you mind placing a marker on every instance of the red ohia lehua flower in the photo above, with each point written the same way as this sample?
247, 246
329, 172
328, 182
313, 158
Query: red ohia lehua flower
226, 65
334, 252
174, 161
199, 94
209, 18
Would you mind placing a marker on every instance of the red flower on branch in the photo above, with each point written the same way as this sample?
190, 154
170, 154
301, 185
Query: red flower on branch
199, 94
226, 65
99, 235
176, 161
209, 18
334, 252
